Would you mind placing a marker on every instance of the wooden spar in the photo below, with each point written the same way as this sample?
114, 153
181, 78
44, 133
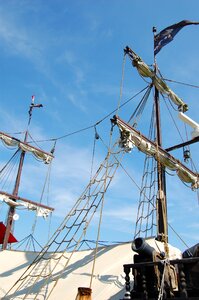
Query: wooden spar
195, 140
25, 144
14, 197
84, 293
125, 126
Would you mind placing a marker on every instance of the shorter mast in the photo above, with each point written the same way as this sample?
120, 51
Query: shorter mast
14, 196
11, 210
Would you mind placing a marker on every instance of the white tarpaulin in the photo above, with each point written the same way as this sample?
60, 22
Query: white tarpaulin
108, 281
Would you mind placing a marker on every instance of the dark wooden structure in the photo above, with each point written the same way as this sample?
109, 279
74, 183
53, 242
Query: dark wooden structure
188, 280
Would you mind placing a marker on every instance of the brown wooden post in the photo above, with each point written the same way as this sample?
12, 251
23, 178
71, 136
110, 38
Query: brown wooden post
183, 284
11, 210
84, 293
127, 279
162, 229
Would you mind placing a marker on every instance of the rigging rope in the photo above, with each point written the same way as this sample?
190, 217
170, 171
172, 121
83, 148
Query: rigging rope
183, 83
102, 206
175, 124
96, 123
46, 183
9, 161
96, 137
8, 169
140, 108
87, 204
121, 84
146, 196
161, 292
193, 166
33, 140
147, 207
71, 230
37, 270
29, 239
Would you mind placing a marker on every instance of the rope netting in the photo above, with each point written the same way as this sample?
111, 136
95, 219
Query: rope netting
48, 268
43, 274
146, 214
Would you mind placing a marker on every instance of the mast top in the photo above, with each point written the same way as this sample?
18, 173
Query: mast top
33, 105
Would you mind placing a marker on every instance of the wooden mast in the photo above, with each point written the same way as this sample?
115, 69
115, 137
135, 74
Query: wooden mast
14, 195
11, 210
162, 228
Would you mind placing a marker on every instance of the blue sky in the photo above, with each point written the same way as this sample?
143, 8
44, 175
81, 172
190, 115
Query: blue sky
69, 55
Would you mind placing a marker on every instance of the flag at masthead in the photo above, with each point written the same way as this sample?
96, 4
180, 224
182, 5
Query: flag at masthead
166, 35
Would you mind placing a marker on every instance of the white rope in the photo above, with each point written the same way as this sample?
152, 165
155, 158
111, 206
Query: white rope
161, 293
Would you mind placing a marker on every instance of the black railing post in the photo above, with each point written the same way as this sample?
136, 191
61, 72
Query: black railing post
144, 284
127, 282
183, 284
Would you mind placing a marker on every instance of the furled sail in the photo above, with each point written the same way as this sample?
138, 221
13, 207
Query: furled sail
130, 138
38, 153
145, 71
41, 210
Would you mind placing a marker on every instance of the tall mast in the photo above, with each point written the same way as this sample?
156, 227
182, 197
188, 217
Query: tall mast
162, 228
11, 210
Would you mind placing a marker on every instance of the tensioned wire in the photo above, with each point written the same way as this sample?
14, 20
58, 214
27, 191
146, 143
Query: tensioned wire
95, 124
102, 206
115, 110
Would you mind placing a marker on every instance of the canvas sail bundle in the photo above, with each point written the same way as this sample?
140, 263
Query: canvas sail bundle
41, 210
145, 71
130, 137
38, 153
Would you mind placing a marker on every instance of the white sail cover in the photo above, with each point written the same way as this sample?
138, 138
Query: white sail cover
41, 210
131, 137
38, 153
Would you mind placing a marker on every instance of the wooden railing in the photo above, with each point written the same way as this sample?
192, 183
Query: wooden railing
187, 287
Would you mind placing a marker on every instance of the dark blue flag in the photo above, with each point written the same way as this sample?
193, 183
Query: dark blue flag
166, 35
